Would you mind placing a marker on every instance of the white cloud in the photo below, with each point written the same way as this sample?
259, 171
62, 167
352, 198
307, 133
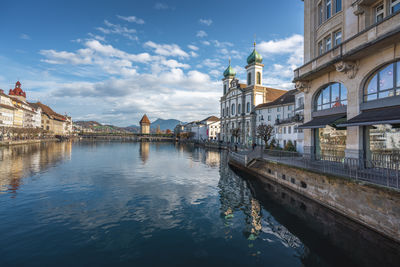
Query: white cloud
193, 54
289, 45
131, 19
24, 36
207, 22
166, 49
118, 29
201, 34
222, 44
161, 6
206, 43
193, 47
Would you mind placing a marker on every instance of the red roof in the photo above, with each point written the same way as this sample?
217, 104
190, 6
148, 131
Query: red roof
51, 113
17, 91
145, 120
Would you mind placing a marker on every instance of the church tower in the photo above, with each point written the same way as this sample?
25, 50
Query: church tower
254, 68
229, 75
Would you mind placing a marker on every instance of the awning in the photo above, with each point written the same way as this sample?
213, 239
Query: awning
321, 122
388, 115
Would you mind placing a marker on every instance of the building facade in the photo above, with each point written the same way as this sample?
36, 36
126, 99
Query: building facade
6, 110
239, 100
351, 78
285, 114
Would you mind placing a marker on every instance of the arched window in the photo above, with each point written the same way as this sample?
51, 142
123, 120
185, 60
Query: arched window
249, 78
383, 83
332, 96
233, 109
224, 89
258, 78
248, 107
239, 111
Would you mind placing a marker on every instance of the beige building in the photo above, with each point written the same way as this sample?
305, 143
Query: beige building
351, 78
239, 100
145, 125
52, 122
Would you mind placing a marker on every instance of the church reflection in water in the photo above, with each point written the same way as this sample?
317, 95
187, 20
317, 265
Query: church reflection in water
17, 162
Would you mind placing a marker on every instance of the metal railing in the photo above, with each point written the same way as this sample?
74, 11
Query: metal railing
378, 170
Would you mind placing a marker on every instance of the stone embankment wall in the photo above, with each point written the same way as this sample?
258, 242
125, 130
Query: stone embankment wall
374, 206
29, 141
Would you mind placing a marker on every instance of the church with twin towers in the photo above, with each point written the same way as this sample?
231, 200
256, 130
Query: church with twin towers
238, 118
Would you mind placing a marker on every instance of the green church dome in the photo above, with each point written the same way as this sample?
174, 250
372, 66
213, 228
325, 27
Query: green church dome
229, 71
254, 57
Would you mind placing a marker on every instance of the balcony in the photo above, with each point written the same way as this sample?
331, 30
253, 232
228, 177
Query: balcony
364, 43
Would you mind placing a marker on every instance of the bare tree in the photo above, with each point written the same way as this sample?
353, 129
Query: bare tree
265, 132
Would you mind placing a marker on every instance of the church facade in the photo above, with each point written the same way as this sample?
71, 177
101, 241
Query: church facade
238, 101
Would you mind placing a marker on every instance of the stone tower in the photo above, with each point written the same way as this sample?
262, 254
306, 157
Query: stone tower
145, 125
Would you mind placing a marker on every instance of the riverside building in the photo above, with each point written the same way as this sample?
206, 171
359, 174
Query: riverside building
285, 114
239, 100
351, 79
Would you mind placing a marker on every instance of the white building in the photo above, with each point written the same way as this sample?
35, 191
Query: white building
37, 116
239, 100
285, 114
207, 129
213, 130
6, 110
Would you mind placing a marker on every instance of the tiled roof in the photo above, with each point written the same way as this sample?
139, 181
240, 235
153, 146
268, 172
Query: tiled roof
287, 98
211, 118
145, 119
49, 112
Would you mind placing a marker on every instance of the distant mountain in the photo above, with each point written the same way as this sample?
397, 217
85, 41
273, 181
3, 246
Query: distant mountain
94, 126
165, 124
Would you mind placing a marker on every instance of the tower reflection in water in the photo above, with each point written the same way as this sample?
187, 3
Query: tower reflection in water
18, 162
144, 151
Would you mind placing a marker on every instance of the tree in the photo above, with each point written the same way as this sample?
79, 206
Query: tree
265, 133
289, 146
236, 132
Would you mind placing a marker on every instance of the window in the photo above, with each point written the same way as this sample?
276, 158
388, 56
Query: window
227, 111
249, 78
269, 117
394, 6
320, 49
248, 107
223, 112
239, 111
278, 116
258, 78
338, 37
224, 89
384, 83
233, 109
278, 109
332, 96
379, 13
338, 6
328, 43
320, 14
328, 8
269, 110
289, 107
289, 129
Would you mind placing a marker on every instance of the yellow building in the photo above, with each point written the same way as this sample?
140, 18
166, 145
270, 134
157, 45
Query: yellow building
52, 122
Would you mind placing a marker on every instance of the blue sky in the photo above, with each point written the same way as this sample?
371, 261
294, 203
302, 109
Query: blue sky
112, 61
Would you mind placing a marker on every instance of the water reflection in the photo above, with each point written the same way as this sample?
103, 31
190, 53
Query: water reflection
115, 202
17, 162
144, 150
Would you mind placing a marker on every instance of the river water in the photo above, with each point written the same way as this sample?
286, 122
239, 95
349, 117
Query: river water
161, 204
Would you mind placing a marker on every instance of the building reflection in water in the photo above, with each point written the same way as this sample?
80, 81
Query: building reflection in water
18, 162
320, 236
144, 150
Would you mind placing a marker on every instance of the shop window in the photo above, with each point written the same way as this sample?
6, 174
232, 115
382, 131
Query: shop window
330, 143
332, 96
382, 143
